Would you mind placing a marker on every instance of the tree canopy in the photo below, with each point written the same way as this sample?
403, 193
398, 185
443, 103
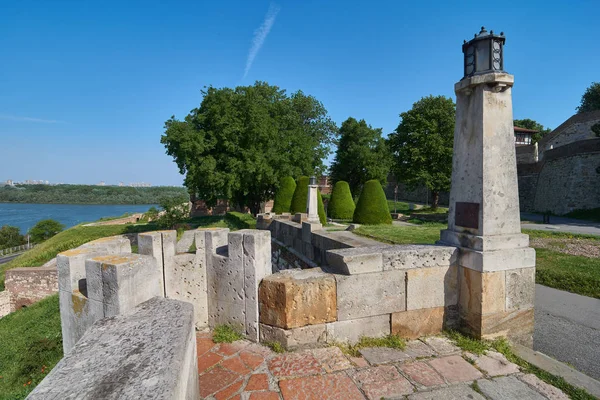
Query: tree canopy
44, 230
422, 145
240, 142
590, 100
532, 124
361, 155
10, 236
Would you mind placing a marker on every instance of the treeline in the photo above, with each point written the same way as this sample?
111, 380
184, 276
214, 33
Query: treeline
87, 194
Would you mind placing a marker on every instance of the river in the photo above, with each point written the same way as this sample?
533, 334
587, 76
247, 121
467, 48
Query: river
24, 216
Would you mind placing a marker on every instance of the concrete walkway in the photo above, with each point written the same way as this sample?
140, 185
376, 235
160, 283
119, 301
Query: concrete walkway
561, 224
430, 369
567, 327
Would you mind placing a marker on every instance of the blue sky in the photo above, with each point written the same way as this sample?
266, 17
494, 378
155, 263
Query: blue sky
85, 87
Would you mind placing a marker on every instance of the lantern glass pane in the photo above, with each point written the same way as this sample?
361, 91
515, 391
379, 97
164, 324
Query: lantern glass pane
483, 55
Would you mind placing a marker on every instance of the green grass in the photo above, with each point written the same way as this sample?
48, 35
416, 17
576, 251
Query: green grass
589, 215
403, 208
275, 346
575, 274
225, 334
543, 234
391, 341
396, 234
240, 220
502, 346
31, 346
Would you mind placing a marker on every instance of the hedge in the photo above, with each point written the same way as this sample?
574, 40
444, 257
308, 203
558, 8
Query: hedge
341, 205
300, 195
321, 208
283, 197
372, 207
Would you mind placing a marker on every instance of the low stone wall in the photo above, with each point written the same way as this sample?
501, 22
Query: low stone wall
368, 291
149, 353
31, 284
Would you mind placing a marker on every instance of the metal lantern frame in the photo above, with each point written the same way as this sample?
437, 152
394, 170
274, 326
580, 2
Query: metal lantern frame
484, 53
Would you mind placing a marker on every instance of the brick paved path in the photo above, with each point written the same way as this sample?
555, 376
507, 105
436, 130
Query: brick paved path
432, 368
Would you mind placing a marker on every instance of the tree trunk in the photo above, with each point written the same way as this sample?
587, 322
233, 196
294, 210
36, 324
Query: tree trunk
435, 200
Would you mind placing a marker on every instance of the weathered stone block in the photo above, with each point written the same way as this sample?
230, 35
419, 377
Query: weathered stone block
121, 282
418, 256
308, 228
186, 281
431, 287
498, 260
185, 242
520, 288
70, 265
257, 266
351, 331
416, 323
111, 245
150, 353
356, 260
295, 298
304, 336
366, 295
481, 293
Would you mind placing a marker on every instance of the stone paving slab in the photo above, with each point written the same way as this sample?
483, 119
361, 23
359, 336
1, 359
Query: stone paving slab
508, 387
426, 369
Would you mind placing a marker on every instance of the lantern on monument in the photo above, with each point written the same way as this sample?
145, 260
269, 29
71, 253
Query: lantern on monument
484, 53
312, 181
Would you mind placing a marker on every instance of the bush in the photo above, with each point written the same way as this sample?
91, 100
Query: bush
321, 208
283, 197
176, 210
300, 196
372, 206
341, 205
44, 230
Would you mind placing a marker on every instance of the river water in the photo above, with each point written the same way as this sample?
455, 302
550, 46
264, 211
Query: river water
24, 216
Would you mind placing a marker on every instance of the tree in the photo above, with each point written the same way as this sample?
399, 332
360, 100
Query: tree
372, 207
283, 197
590, 101
422, 145
341, 205
300, 196
240, 142
362, 154
10, 236
176, 209
536, 126
44, 230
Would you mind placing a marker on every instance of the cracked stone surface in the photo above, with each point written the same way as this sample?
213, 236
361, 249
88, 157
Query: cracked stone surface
432, 368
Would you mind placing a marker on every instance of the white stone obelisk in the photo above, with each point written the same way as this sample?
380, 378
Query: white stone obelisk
312, 207
496, 264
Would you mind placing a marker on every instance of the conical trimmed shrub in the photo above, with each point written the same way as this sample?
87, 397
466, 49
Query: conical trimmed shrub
372, 207
341, 205
300, 195
321, 208
283, 197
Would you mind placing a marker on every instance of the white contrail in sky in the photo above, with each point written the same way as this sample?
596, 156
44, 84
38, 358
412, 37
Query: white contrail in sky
260, 35
28, 119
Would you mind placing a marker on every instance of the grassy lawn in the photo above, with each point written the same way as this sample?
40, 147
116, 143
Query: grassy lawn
403, 208
555, 267
31, 346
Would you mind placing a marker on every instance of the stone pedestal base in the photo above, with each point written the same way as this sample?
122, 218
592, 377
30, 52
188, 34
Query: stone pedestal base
497, 304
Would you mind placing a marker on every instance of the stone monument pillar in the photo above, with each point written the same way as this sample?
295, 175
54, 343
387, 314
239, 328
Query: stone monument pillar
496, 264
312, 201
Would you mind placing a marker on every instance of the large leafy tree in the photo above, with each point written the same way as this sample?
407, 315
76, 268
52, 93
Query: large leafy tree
44, 230
422, 145
10, 236
240, 142
590, 100
362, 155
532, 124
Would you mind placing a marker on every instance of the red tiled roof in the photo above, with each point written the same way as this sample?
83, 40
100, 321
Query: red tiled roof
523, 130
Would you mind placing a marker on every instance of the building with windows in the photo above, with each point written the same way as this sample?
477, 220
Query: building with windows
523, 137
